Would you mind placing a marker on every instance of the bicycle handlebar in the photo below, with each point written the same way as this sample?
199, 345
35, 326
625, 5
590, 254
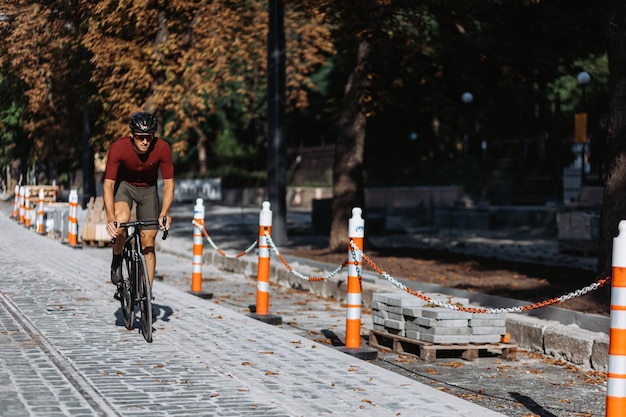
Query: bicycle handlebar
142, 223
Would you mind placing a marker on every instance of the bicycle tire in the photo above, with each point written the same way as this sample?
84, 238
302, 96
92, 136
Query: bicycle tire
127, 299
145, 299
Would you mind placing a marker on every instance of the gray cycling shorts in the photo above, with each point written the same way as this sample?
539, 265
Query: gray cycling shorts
146, 200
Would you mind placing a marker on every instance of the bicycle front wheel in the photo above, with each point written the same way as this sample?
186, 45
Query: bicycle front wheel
145, 300
127, 295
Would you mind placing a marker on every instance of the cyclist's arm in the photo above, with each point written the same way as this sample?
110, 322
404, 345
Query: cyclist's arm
168, 199
108, 190
108, 195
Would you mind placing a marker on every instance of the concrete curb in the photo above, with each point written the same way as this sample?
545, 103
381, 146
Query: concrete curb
568, 342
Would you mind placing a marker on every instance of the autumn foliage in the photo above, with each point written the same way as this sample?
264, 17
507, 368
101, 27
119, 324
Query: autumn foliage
200, 66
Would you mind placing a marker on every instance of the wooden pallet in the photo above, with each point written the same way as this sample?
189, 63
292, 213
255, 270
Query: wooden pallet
428, 351
96, 243
94, 228
50, 193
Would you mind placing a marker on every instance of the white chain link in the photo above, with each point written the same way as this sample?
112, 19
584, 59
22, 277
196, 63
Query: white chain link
356, 251
296, 273
252, 246
214, 246
578, 293
394, 281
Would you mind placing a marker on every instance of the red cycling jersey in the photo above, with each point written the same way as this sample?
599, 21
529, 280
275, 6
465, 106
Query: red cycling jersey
124, 164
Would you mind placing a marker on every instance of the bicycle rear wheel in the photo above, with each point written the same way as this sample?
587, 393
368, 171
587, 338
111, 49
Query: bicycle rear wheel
145, 300
127, 295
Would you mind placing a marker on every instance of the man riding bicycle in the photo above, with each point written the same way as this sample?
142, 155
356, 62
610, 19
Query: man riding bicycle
130, 178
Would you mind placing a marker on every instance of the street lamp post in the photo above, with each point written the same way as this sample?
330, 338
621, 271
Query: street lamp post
580, 122
276, 146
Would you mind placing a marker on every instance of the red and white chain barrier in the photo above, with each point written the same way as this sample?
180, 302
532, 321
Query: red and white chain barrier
355, 252
220, 251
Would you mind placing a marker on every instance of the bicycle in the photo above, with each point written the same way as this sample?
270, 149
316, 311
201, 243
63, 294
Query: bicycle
135, 289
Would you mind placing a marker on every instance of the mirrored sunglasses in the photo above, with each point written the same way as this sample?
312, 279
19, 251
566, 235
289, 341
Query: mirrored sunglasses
141, 138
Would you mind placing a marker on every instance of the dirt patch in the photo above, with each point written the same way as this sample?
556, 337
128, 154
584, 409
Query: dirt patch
521, 281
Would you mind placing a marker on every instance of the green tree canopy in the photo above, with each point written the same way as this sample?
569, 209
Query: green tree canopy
191, 60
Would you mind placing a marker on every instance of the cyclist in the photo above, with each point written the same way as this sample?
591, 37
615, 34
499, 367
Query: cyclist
130, 178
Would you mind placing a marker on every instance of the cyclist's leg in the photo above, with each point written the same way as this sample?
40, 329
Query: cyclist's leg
122, 214
123, 204
148, 209
148, 238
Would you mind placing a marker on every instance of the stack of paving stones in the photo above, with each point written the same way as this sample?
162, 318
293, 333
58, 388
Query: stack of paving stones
403, 314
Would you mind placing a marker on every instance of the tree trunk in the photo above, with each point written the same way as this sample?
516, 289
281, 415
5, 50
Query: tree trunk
614, 201
348, 181
203, 166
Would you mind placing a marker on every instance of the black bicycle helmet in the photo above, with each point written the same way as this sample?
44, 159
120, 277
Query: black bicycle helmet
143, 122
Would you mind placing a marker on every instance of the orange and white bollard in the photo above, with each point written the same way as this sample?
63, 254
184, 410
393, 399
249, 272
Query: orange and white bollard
356, 232
616, 385
16, 202
40, 213
196, 270
72, 228
21, 213
27, 208
263, 269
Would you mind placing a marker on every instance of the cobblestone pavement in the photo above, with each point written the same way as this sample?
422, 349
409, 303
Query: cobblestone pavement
65, 352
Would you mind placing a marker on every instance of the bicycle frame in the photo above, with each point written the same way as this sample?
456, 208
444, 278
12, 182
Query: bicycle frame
136, 288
